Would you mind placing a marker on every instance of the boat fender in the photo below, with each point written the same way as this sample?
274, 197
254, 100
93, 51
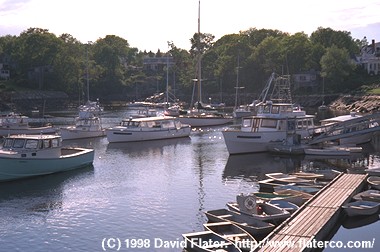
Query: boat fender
250, 203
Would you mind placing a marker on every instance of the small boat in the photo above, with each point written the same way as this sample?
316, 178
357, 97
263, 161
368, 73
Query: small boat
253, 226
303, 195
287, 178
374, 181
149, 128
368, 195
306, 189
286, 205
373, 171
232, 232
306, 175
248, 204
87, 124
361, 208
334, 150
296, 199
25, 156
207, 241
15, 124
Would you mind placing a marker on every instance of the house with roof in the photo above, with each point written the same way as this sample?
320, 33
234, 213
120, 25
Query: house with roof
369, 58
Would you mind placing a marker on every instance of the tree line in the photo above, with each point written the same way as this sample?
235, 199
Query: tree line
38, 59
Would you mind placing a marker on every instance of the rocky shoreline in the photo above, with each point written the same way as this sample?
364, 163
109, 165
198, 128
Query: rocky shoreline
362, 104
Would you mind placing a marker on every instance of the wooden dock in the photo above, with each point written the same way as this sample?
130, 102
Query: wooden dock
316, 218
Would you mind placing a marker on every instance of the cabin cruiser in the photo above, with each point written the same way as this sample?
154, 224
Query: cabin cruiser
273, 124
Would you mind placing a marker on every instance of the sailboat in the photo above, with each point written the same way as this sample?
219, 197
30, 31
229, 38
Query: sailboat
200, 116
87, 123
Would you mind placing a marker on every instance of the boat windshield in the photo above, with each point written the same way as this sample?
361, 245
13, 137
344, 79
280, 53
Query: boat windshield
31, 144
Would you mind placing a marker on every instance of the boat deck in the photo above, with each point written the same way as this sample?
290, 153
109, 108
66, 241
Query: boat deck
316, 218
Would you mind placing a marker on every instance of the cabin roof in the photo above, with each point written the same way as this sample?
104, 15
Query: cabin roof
149, 119
34, 136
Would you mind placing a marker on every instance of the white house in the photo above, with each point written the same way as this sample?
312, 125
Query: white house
369, 58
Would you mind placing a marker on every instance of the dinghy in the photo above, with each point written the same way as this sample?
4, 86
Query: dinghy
361, 208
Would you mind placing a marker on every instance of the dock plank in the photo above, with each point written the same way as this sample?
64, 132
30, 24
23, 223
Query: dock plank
316, 218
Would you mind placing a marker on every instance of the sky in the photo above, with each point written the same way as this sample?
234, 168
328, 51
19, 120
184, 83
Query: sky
150, 24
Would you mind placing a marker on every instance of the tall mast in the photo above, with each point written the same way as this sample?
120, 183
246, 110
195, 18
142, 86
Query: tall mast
199, 74
87, 75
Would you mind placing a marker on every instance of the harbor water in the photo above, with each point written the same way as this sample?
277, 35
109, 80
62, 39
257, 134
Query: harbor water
144, 196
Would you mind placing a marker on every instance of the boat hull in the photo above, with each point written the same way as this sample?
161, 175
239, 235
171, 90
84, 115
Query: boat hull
119, 135
68, 134
204, 121
358, 208
19, 168
239, 142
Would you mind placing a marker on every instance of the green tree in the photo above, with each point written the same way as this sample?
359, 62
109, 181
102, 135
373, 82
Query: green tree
335, 67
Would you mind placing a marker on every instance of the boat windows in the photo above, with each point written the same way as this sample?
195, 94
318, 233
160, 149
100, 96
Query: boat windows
246, 123
8, 143
275, 109
47, 143
269, 123
55, 142
18, 143
32, 144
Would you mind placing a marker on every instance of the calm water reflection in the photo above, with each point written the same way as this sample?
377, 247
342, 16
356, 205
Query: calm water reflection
151, 190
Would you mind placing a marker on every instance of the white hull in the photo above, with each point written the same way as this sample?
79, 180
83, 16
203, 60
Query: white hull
117, 134
19, 168
239, 142
356, 139
204, 121
67, 133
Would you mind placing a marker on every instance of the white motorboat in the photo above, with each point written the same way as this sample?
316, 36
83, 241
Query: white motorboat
272, 124
25, 156
361, 208
326, 124
149, 128
204, 118
347, 130
87, 124
13, 124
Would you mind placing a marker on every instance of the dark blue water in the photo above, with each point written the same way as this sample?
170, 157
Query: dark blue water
141, 196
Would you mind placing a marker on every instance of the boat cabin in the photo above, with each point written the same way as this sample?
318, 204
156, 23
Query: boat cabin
166, 122
31, 146
279, 117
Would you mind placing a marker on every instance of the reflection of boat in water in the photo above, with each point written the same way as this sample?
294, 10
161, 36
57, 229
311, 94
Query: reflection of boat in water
258, 164
359, 221
44, 193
